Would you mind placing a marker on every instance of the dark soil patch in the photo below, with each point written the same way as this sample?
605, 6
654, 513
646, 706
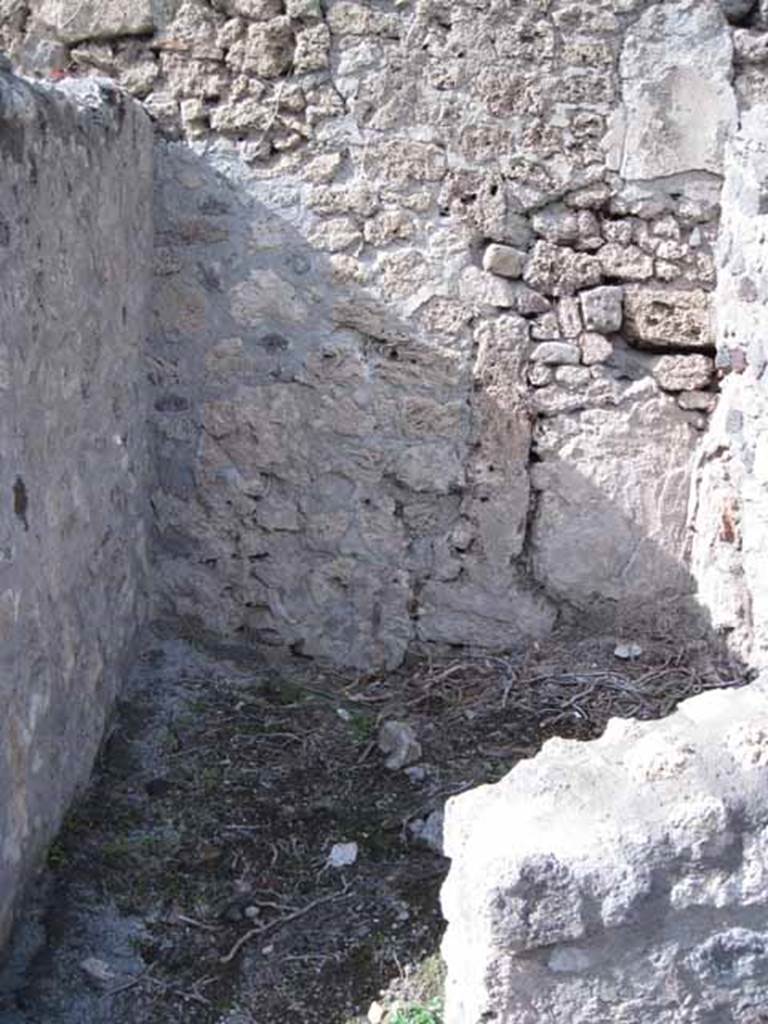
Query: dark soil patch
195, 867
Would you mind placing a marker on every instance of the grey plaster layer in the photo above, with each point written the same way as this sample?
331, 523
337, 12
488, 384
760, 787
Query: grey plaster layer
75, 248
623, 880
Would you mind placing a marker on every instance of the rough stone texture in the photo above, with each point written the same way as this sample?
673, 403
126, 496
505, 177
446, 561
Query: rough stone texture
75, 247
345, 381
622, 880
94, 19
667, 318
602, 309
612, 480
504, 260
684, 373
730, 502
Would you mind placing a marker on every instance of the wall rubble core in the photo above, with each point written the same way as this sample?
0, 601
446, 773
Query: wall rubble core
75, 247
625, 880
383, 231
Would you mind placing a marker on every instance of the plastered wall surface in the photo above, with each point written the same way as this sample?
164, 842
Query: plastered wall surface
75, 248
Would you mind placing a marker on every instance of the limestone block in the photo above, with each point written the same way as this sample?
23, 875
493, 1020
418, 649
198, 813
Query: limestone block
658, 317
429, 467
313, 45
613, 482
602, 309
554, 353
348, 18
627, 263
619, 880
540, 375
573, 377
75, 20
256, 10
595, 348
556, 270
241, 115
676, 84
269, 48
546, 327
569, 317
504, 260
750, 47
487, 289
399, 161
335, 234
266, 294
192, 32
697, 401
684, 372
563, 226
305, 10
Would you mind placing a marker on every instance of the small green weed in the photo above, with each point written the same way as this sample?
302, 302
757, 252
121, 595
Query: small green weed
363, 726
57, 855
429, 1014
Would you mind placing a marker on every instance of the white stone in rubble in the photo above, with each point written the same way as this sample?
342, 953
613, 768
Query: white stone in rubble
602, 309
554, 353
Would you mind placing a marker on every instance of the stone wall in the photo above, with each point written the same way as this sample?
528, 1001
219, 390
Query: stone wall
75, 247
623, 881
730, 500
432, 344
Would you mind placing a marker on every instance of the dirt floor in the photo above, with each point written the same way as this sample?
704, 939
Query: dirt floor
192, 882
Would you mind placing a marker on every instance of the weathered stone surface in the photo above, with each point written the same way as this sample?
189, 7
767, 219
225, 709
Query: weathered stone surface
730, 550
75, 20
563, 226
447, 610
625, 263
595, 348
504, 260
556, 270
684, 373
487, 289
667, 318
75, 253
678, 101
617, 880
324, 445
602, 309
553, 353
613, 481
697, 401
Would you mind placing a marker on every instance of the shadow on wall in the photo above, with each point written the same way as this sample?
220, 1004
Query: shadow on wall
350, 473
